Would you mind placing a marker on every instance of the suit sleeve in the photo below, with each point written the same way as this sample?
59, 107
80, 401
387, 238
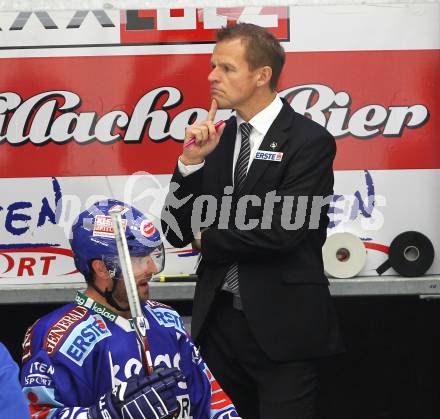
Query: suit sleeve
308, 175
176, 217
177, 212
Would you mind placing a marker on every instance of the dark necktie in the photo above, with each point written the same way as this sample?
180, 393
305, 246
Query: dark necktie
240, 172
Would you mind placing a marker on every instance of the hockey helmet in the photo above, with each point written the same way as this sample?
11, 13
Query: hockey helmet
93, 237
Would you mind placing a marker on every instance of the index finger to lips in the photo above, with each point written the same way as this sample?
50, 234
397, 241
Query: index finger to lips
212, 110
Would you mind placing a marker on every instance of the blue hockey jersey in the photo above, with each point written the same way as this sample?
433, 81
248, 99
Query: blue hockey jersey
77, 353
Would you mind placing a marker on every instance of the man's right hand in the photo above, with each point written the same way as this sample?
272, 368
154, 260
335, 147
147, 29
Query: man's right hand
206, 136
139, 397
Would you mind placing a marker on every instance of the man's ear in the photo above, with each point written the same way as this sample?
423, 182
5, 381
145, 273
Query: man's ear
101, 273
264, 75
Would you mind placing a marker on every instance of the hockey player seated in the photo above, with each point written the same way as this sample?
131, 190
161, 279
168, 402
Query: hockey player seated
84, 359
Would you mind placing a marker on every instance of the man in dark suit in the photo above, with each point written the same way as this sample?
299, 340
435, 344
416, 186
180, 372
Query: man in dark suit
262, 312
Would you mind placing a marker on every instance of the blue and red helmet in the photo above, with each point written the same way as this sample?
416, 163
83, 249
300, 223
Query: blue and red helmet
93, 237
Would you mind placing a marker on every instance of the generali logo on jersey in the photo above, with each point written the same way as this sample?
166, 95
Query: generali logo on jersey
59, 330
52, 117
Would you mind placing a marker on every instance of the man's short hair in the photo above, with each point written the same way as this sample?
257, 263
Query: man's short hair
262, 48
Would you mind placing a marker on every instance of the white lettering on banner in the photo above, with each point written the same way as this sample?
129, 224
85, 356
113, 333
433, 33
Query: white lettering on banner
167, 22
21, 266
254, 15
33, 120
332, 110
212, 19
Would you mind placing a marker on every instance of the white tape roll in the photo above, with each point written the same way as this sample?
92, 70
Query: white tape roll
344, 255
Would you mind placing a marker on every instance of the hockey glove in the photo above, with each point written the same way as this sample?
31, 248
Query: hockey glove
152, 397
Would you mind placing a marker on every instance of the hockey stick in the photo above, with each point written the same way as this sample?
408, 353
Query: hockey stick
139, 321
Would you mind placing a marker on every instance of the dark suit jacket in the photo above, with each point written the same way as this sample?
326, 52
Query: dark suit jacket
282, 284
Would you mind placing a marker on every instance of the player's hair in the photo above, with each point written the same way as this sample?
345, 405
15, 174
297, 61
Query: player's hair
262, 48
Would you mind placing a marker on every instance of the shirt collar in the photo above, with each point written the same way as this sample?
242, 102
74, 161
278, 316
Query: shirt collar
262, 121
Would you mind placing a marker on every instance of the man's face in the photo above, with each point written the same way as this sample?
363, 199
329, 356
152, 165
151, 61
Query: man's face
232, 82
143, 269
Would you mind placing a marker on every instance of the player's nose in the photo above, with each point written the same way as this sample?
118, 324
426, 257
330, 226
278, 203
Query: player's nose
151, 266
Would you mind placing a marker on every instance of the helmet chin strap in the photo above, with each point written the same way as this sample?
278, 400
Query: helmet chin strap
108, 295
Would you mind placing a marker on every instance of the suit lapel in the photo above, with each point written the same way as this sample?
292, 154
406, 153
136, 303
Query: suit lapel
278, 133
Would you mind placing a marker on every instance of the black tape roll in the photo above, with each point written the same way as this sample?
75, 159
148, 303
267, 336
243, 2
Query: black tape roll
411, 254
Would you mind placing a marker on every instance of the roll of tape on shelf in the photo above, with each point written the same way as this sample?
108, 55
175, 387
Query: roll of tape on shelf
411, 254
344, 255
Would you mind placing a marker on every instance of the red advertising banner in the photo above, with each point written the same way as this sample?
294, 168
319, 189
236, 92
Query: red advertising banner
115, 115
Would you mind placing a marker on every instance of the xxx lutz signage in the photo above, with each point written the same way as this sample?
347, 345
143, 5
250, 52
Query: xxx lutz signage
54, 116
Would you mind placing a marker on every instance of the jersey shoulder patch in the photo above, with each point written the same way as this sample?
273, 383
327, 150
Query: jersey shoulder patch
84, 337
165, 316
48, 331
60, 323
73, 331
